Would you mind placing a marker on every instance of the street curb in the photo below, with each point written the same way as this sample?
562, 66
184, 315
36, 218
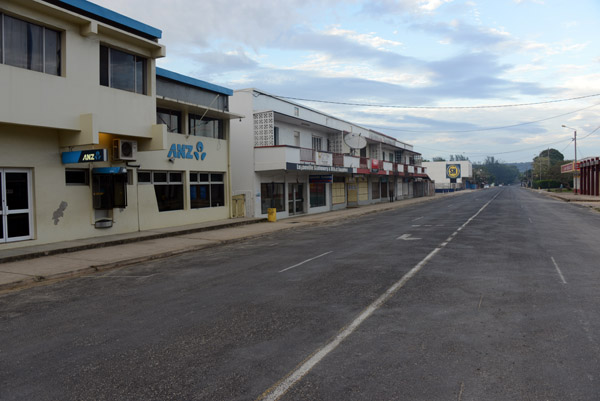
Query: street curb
83, 247
42, 280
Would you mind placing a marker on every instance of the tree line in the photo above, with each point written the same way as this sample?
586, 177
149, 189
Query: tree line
545, 171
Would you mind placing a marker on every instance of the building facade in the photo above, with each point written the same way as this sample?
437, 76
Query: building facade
298, 160
586, 175
95, 139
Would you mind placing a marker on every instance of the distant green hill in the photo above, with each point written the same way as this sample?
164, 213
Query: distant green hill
524, 166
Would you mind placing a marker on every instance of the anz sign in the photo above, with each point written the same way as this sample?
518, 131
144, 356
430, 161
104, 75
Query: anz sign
178, 151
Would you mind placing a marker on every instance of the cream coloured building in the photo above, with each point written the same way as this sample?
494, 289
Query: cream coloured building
94, 139
298, 160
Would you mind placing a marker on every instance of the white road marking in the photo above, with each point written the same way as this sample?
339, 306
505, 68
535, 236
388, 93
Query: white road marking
558, 270
416, 225
418, 218
281, 387
407, 237
306, 261
119, 276
530, 220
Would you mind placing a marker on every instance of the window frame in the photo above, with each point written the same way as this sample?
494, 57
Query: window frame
43, 52
315, 198
212, 181
168, 181
86, 181
191, 126
172, 113
277, 197
106, 66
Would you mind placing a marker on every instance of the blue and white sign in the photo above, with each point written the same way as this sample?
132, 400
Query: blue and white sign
84, 156
179, 151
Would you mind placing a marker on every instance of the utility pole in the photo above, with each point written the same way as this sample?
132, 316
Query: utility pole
575, 166
540, 183
575, 172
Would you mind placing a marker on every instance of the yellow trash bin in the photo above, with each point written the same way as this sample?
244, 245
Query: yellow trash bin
272, 214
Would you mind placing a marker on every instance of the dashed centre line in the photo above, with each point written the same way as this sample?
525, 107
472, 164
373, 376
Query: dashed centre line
558, 270
306, 261
282, 386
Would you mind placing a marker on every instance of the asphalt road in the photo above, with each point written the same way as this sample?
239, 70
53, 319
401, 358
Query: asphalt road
493, 295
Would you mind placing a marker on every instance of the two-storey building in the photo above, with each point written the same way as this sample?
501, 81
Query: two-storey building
94, 139
298, 160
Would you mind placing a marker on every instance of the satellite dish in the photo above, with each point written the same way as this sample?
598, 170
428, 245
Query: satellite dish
355, 141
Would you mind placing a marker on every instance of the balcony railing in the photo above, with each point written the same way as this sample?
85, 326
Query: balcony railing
277, 157
338, 160
364, 162
307, 155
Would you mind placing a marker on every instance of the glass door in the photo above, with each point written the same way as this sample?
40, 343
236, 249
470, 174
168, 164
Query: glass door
295, 199
16, 221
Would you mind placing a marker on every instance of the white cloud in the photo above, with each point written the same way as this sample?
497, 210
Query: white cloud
432, 5
524, 68
367, 39
525, 1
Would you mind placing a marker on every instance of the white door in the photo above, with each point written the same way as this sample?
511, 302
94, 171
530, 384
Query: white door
15, 196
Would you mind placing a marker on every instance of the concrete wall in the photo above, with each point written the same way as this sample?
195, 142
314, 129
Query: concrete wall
38, 99
242, 151
42, 115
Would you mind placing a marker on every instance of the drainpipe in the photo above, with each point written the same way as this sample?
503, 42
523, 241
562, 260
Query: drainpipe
229, 193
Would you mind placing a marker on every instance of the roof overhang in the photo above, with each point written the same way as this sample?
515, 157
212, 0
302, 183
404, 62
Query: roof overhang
174, 104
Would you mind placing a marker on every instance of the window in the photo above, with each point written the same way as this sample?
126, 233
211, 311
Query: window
317, 195
171, 118
109, 191
272, 196
338, 190
77, 176
206, 190
375, 190
29, 46
316, 143
122, 70
168, 188
207, 127
275, 136
144, 177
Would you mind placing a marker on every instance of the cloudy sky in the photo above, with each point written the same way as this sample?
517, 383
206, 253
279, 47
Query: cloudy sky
423, 71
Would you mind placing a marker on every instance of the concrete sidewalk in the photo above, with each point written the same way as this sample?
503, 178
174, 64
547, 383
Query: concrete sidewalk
29, 265
583, 200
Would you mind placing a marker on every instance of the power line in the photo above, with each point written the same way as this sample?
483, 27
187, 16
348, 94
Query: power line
487, 128
516, 151
438, 107
590, 133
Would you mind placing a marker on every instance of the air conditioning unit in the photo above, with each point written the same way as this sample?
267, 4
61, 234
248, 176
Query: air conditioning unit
124, 149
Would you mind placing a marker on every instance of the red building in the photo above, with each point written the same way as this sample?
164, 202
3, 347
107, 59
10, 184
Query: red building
586, 180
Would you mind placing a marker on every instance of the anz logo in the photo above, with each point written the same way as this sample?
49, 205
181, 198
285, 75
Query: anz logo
178, 151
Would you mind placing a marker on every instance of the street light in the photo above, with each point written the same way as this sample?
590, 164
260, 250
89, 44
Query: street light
574, 165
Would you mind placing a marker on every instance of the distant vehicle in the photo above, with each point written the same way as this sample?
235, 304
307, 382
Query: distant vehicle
486, 186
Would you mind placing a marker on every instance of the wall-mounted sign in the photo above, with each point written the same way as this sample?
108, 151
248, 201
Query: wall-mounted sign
568, 168
320, 179
179, 151
314, 167
324, 159
84, 156
453, 171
